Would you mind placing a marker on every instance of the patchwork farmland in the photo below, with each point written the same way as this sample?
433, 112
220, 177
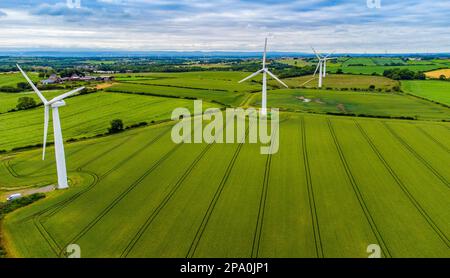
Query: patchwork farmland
167, 200
365, 152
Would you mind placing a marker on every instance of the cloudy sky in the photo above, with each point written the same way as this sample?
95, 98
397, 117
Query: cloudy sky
143, 25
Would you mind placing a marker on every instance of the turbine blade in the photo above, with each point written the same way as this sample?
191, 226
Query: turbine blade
276, 78
308, 81
331, 53
63, 96
32, 85
46, 119
265, 53
251, 75
318, 64
317, 55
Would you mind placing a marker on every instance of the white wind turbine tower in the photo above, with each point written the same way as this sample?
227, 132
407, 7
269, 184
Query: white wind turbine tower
322, 66
264, 71
54, 104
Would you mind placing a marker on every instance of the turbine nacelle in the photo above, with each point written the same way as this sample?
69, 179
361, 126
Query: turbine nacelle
57, 104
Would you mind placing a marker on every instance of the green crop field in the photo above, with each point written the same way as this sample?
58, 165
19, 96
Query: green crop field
223, 97
214, 80
438, 91
9, 101
368, 103
88, 115
380, 69
359, 61
137, 194
295, 62
342, 81
216, 86
11, 79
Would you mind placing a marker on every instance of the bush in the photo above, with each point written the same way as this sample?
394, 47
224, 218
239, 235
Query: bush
137, 125
18, 203
339, 71
26, 103
403, 74
10, 89
23, 86
116, 126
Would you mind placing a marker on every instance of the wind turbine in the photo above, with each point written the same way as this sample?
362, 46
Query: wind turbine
322, 66
54, 104
264, 71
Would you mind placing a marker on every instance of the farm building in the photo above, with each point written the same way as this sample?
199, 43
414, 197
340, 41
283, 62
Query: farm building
52, 80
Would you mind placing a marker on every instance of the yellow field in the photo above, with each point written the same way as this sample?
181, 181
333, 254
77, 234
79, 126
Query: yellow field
438, 73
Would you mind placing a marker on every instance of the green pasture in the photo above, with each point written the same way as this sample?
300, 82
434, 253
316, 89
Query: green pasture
438, 91
343, 102
88, 115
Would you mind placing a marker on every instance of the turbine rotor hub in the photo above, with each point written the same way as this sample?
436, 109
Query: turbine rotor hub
58, 103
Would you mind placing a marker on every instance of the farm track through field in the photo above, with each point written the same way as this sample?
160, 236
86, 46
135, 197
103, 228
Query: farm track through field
47, 237
163, 203
402, 186
31, 174
416, 155
60, 205
248, 100
433, 139
94, 175
7, 164
123, 193
312, 202
213, 203
118, 165
262, 203
358, 194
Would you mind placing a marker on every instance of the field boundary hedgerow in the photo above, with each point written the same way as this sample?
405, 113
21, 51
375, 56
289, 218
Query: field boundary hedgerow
427, 99
358, 194
416, 155
309, 186
403, 187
